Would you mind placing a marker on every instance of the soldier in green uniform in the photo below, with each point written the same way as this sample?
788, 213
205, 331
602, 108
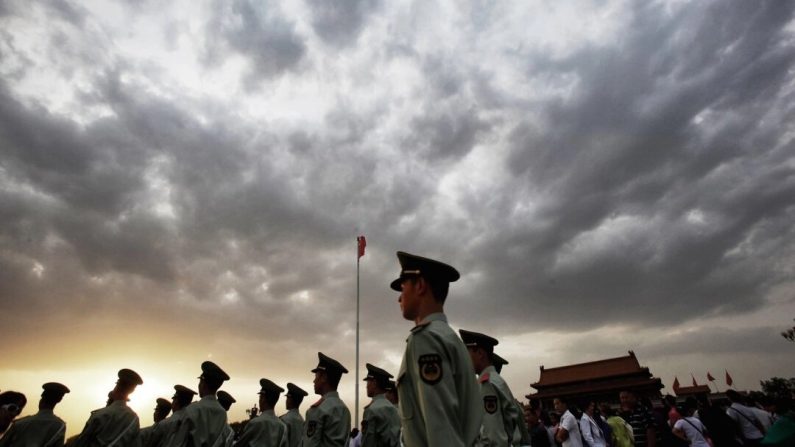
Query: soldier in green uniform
162, 409
501, 416
164, 431
226, 400
439, 398
43, 429
293, 419
381, 424
328, 421
115, 424
524, 432
265, 430
391, 393
204, 420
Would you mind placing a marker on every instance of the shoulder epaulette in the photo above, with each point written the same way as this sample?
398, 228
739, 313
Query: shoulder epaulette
484, 378
318, 402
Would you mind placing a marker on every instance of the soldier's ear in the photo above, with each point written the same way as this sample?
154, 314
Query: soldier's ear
421, 284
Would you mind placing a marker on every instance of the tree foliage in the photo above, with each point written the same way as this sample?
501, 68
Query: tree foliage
789, 334
778, 387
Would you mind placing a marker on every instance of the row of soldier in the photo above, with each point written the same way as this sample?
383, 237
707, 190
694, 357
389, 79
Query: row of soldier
449, 393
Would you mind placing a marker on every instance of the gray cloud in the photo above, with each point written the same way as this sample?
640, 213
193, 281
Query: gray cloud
640, 204
257, 32
650, 186
340, 23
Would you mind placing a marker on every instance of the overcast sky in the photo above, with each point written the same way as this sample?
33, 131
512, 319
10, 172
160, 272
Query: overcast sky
186, 180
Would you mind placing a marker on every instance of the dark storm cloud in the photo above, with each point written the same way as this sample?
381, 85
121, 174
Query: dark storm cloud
658, 183
658, 189
259, 33
340, 23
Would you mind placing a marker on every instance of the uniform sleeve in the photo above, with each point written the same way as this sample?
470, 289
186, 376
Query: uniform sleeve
437, 398
336, 426
88, 431
493, 431
316, 438
248, 433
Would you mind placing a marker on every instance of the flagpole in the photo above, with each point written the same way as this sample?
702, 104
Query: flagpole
356, 421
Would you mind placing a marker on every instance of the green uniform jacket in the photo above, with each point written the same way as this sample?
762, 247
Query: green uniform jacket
381, 425
165, 430
228, 438
440, 404
295, 427
328, 422
202, 425
43, 429
146, 434
116, 424
265, 430
501, 416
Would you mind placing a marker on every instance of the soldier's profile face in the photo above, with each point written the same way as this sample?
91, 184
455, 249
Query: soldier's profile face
320, 377
409, 301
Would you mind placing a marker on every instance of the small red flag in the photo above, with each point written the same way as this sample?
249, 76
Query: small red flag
676, 384
709, 377
729, 380
694, 380
362, 243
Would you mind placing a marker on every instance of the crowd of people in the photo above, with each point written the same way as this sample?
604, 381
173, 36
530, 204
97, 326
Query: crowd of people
697, 421
447, 393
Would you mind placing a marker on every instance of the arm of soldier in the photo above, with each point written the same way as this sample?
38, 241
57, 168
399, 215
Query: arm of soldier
513, 417
368, 429
313, 425
247, 435
8, 439
337, 426
493, 430
437, 397
285, 438
88, 432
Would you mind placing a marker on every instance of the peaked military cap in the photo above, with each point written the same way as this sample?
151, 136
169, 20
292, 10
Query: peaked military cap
293, 390
129, 377
223, 396
269, 387
212, 371
55, 388
328, 364
376, 373
163, 403
472, 339
180, 390
497, 360
413, 265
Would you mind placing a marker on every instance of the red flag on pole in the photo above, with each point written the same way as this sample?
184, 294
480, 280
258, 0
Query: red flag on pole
694, 380
729, 380
709, 377
676, 384
362, 243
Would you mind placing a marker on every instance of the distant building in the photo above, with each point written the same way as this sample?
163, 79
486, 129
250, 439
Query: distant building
601, 381
687, 391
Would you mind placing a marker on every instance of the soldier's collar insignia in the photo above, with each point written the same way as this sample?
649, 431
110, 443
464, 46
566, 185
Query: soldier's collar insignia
431, 368
319, 402
490, 404
484, 378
